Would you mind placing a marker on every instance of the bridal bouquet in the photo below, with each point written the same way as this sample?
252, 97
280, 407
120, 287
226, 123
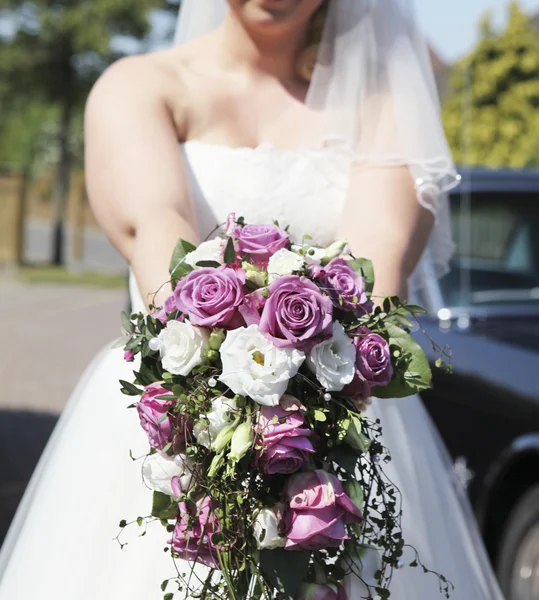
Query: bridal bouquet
251, 384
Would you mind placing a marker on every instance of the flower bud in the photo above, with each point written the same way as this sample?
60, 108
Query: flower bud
225, 435
355, 491
217, 337
334, 250
254, 275
217, 462
242, 440
354, 438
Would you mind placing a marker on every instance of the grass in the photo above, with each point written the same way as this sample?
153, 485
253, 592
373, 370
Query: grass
63, 275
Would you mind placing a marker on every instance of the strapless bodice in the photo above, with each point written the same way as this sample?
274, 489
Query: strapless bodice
302, 189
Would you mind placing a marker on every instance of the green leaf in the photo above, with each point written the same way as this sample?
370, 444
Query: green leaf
208, 264
127, 325
163, 506
178, 267
123, 523
129, 389
363, 267
319, 415
164, 585
417, 375
285, 571
346, 459
168, 596
416, 310
230, 252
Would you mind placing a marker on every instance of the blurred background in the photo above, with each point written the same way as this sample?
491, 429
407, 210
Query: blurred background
62, 285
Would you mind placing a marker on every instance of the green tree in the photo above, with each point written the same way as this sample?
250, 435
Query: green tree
491, 115
52, 52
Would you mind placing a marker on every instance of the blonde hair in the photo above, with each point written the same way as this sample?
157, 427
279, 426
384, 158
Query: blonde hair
309, 55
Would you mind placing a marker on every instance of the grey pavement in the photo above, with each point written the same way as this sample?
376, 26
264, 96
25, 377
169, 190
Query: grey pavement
98, 253
49, 335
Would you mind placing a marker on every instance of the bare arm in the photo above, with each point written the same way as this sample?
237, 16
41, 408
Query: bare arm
135, 174
384, 222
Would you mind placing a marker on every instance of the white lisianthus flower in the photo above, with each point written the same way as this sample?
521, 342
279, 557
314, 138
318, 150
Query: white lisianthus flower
182, 346
284, 262
333, 361
314, 255
254, 367
159, 469
266, 530
208, 429
210, 250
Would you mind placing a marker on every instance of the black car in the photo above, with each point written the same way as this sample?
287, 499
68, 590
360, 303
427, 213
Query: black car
487, 311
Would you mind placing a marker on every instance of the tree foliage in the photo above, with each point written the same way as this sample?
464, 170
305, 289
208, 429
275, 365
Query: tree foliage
491, 115
51, 53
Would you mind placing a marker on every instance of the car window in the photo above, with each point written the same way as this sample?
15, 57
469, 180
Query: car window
497, 249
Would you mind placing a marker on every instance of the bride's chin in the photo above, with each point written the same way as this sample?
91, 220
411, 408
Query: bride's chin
270, 12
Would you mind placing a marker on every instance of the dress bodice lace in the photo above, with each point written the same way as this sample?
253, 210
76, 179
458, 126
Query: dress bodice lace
302, 189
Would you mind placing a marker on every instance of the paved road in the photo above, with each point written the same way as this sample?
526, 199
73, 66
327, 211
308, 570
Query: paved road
49, 334
98, 253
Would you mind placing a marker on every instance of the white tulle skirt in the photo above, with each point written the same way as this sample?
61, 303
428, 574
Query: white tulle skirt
61, 544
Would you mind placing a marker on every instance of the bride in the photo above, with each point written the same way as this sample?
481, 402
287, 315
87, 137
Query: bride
321, 114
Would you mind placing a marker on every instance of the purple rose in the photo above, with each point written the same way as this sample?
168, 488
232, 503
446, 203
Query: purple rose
296, 314
373, 359
192, 537
285, 444
260, 242
211, 297
321, 591
152, 414
318, 510
344, 285
129, 356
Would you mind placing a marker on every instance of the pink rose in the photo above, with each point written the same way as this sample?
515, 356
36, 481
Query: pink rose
321, 591
194, 543
211, 297
152, 414
345, 287
129, 356
285, 444
373, 358
169, 307
260, 242
318, 510
296, 314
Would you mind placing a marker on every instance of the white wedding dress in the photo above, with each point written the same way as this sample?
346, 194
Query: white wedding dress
61, 544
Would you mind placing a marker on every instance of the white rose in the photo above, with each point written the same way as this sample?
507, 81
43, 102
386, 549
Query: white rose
284, 262
158, 470
210, 250
254, 367
333, 361
181, 346
221, 416
266, 530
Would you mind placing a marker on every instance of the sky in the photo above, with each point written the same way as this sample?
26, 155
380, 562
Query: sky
451, 25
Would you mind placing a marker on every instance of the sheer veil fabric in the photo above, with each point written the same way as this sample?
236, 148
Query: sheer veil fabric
373, 95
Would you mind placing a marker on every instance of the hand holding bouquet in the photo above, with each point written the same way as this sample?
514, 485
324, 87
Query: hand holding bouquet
251, 384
